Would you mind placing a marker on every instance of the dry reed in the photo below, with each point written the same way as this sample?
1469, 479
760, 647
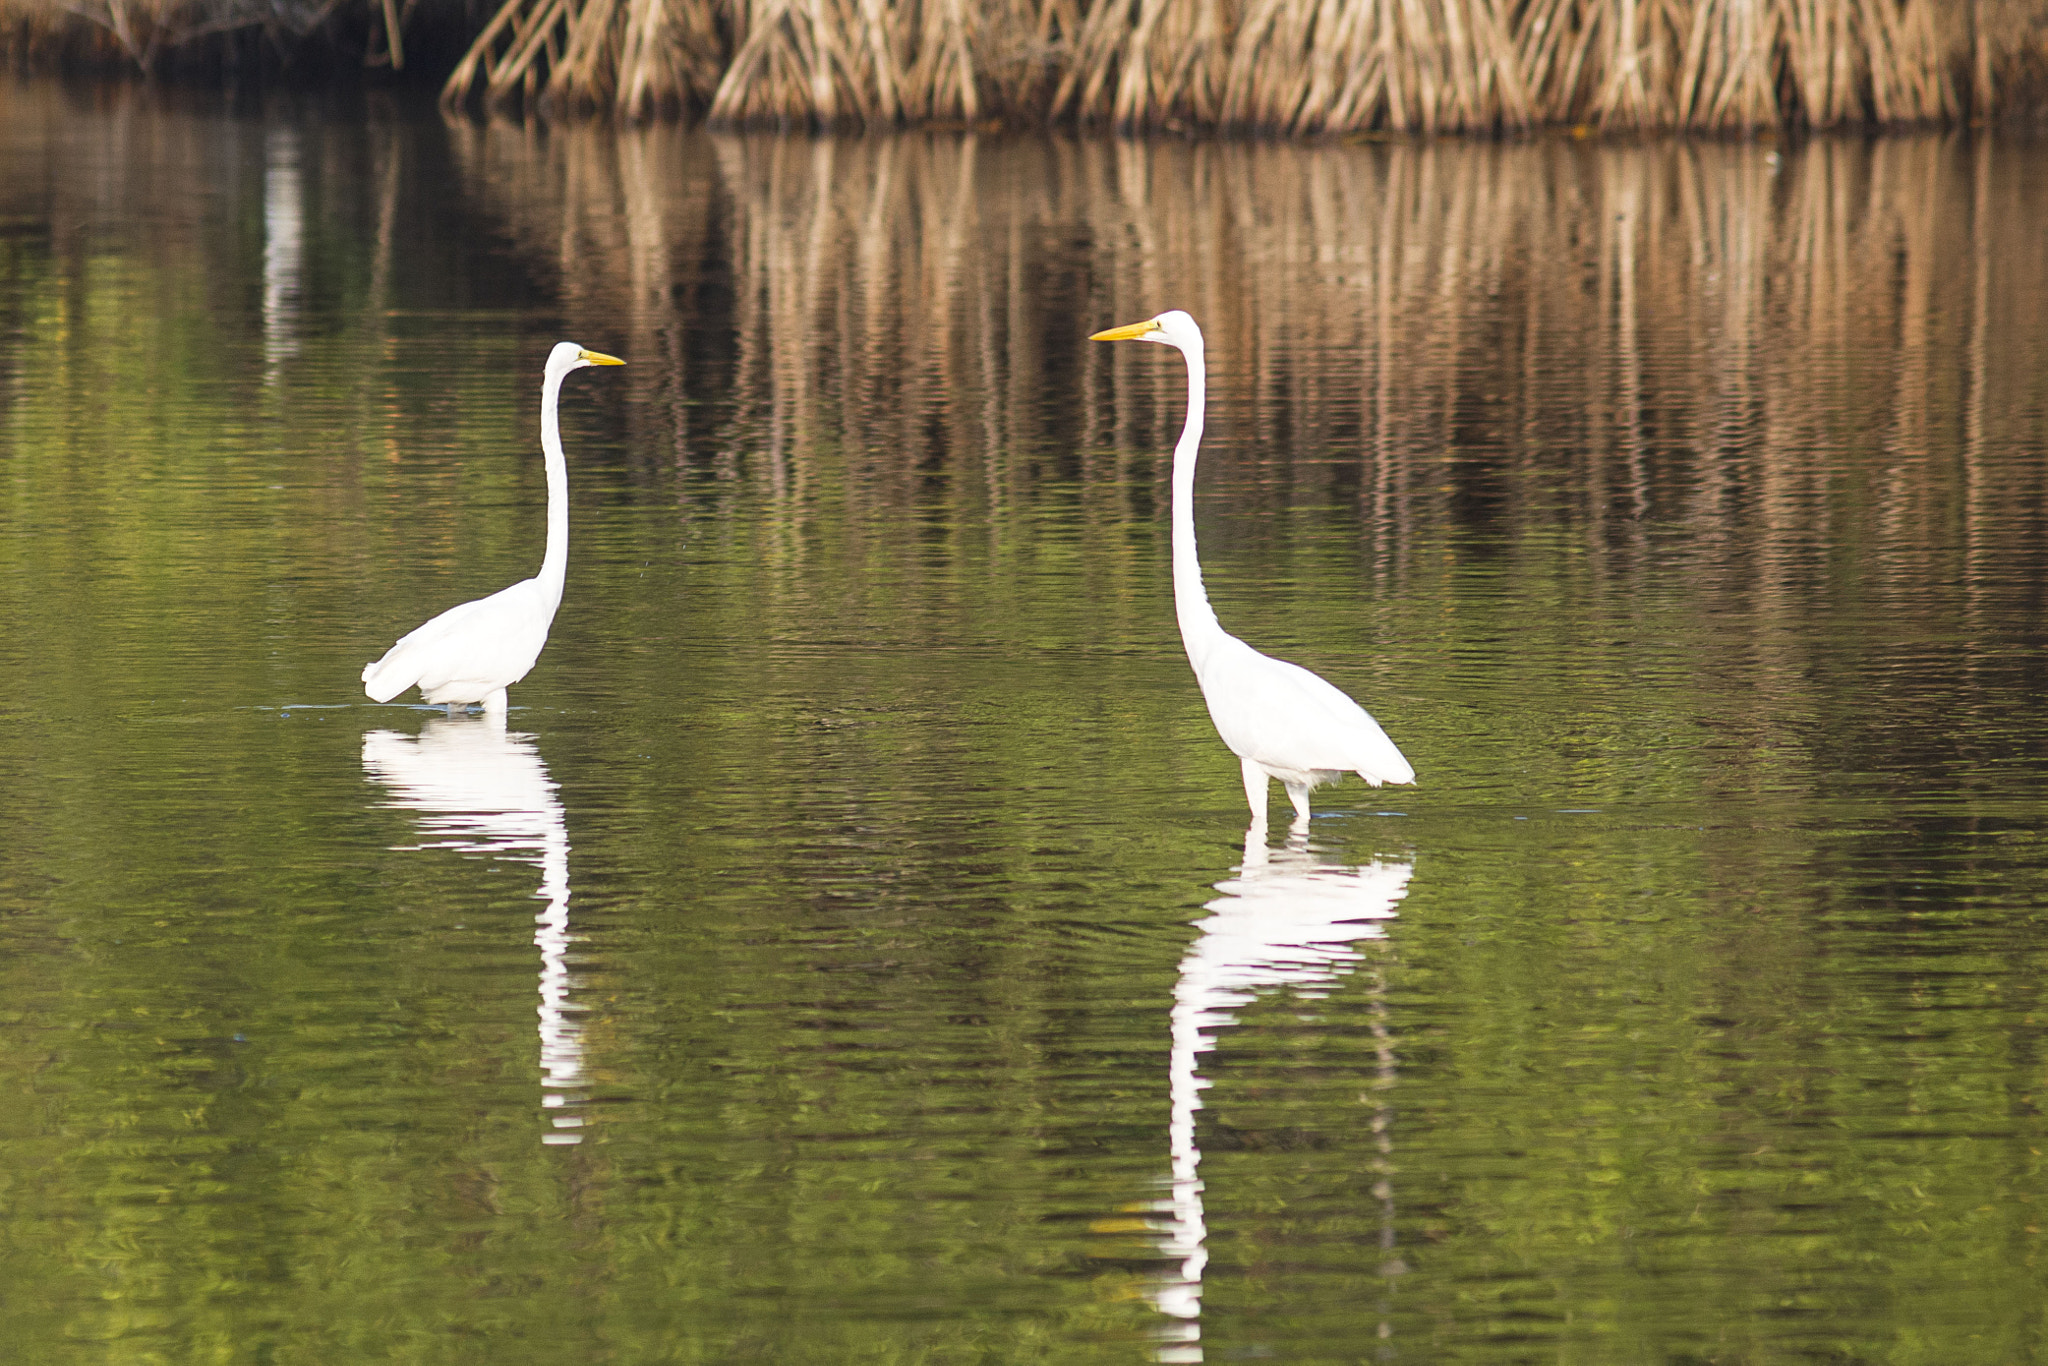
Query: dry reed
641, 57
1290, 66
1280, 66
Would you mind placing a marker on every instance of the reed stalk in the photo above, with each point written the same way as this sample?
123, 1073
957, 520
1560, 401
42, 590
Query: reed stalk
1286, 66
1292, 67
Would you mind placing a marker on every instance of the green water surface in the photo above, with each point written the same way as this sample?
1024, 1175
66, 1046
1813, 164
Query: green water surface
851, 951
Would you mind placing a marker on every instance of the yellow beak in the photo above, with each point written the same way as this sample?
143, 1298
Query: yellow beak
598, 358
1129, 331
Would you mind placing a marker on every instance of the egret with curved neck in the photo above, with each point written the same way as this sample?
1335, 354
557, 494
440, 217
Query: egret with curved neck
474, 652
1278, 718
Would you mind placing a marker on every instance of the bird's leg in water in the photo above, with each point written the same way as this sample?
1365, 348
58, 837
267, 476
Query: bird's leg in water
1255, 781
1298, 794
494, 705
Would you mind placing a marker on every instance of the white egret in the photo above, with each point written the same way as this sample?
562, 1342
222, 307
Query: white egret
474, 652
1278, 718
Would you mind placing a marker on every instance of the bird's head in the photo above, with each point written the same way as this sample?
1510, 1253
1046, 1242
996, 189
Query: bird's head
1172, 327
569, 356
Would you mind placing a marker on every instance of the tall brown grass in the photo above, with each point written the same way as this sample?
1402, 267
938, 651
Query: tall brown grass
1285, 66
1271, 66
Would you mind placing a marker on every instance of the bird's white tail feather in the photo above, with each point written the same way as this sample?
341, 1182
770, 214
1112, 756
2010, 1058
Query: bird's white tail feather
1375, 757
387, 678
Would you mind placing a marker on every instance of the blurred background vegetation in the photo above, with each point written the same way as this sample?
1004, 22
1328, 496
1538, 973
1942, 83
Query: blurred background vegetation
1269, 66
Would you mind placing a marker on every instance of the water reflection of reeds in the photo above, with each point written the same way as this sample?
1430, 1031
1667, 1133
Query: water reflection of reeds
1609, 311
1722, 367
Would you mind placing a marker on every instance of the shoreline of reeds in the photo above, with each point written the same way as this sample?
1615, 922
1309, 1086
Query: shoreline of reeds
1291, 68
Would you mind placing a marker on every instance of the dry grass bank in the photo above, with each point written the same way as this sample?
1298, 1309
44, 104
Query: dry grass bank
1290, 67
1275, 66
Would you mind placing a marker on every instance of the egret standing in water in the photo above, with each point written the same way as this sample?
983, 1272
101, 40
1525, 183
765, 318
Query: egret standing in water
1278, 718
474, 652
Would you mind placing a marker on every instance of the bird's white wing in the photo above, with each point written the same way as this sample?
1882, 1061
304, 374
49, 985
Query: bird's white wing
1288, 719
468, 651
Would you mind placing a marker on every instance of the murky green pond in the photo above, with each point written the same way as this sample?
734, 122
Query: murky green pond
851, 951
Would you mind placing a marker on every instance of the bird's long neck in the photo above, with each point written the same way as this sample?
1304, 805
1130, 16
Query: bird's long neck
555, 567
1198, 627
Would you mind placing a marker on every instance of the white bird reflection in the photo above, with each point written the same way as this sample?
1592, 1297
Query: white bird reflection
284, 249
1286, 920
478, 789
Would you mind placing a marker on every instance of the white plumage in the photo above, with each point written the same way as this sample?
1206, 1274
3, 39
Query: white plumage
1278, 718
473, 652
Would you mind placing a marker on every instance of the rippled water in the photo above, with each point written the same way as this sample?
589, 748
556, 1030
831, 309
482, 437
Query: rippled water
850, 949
